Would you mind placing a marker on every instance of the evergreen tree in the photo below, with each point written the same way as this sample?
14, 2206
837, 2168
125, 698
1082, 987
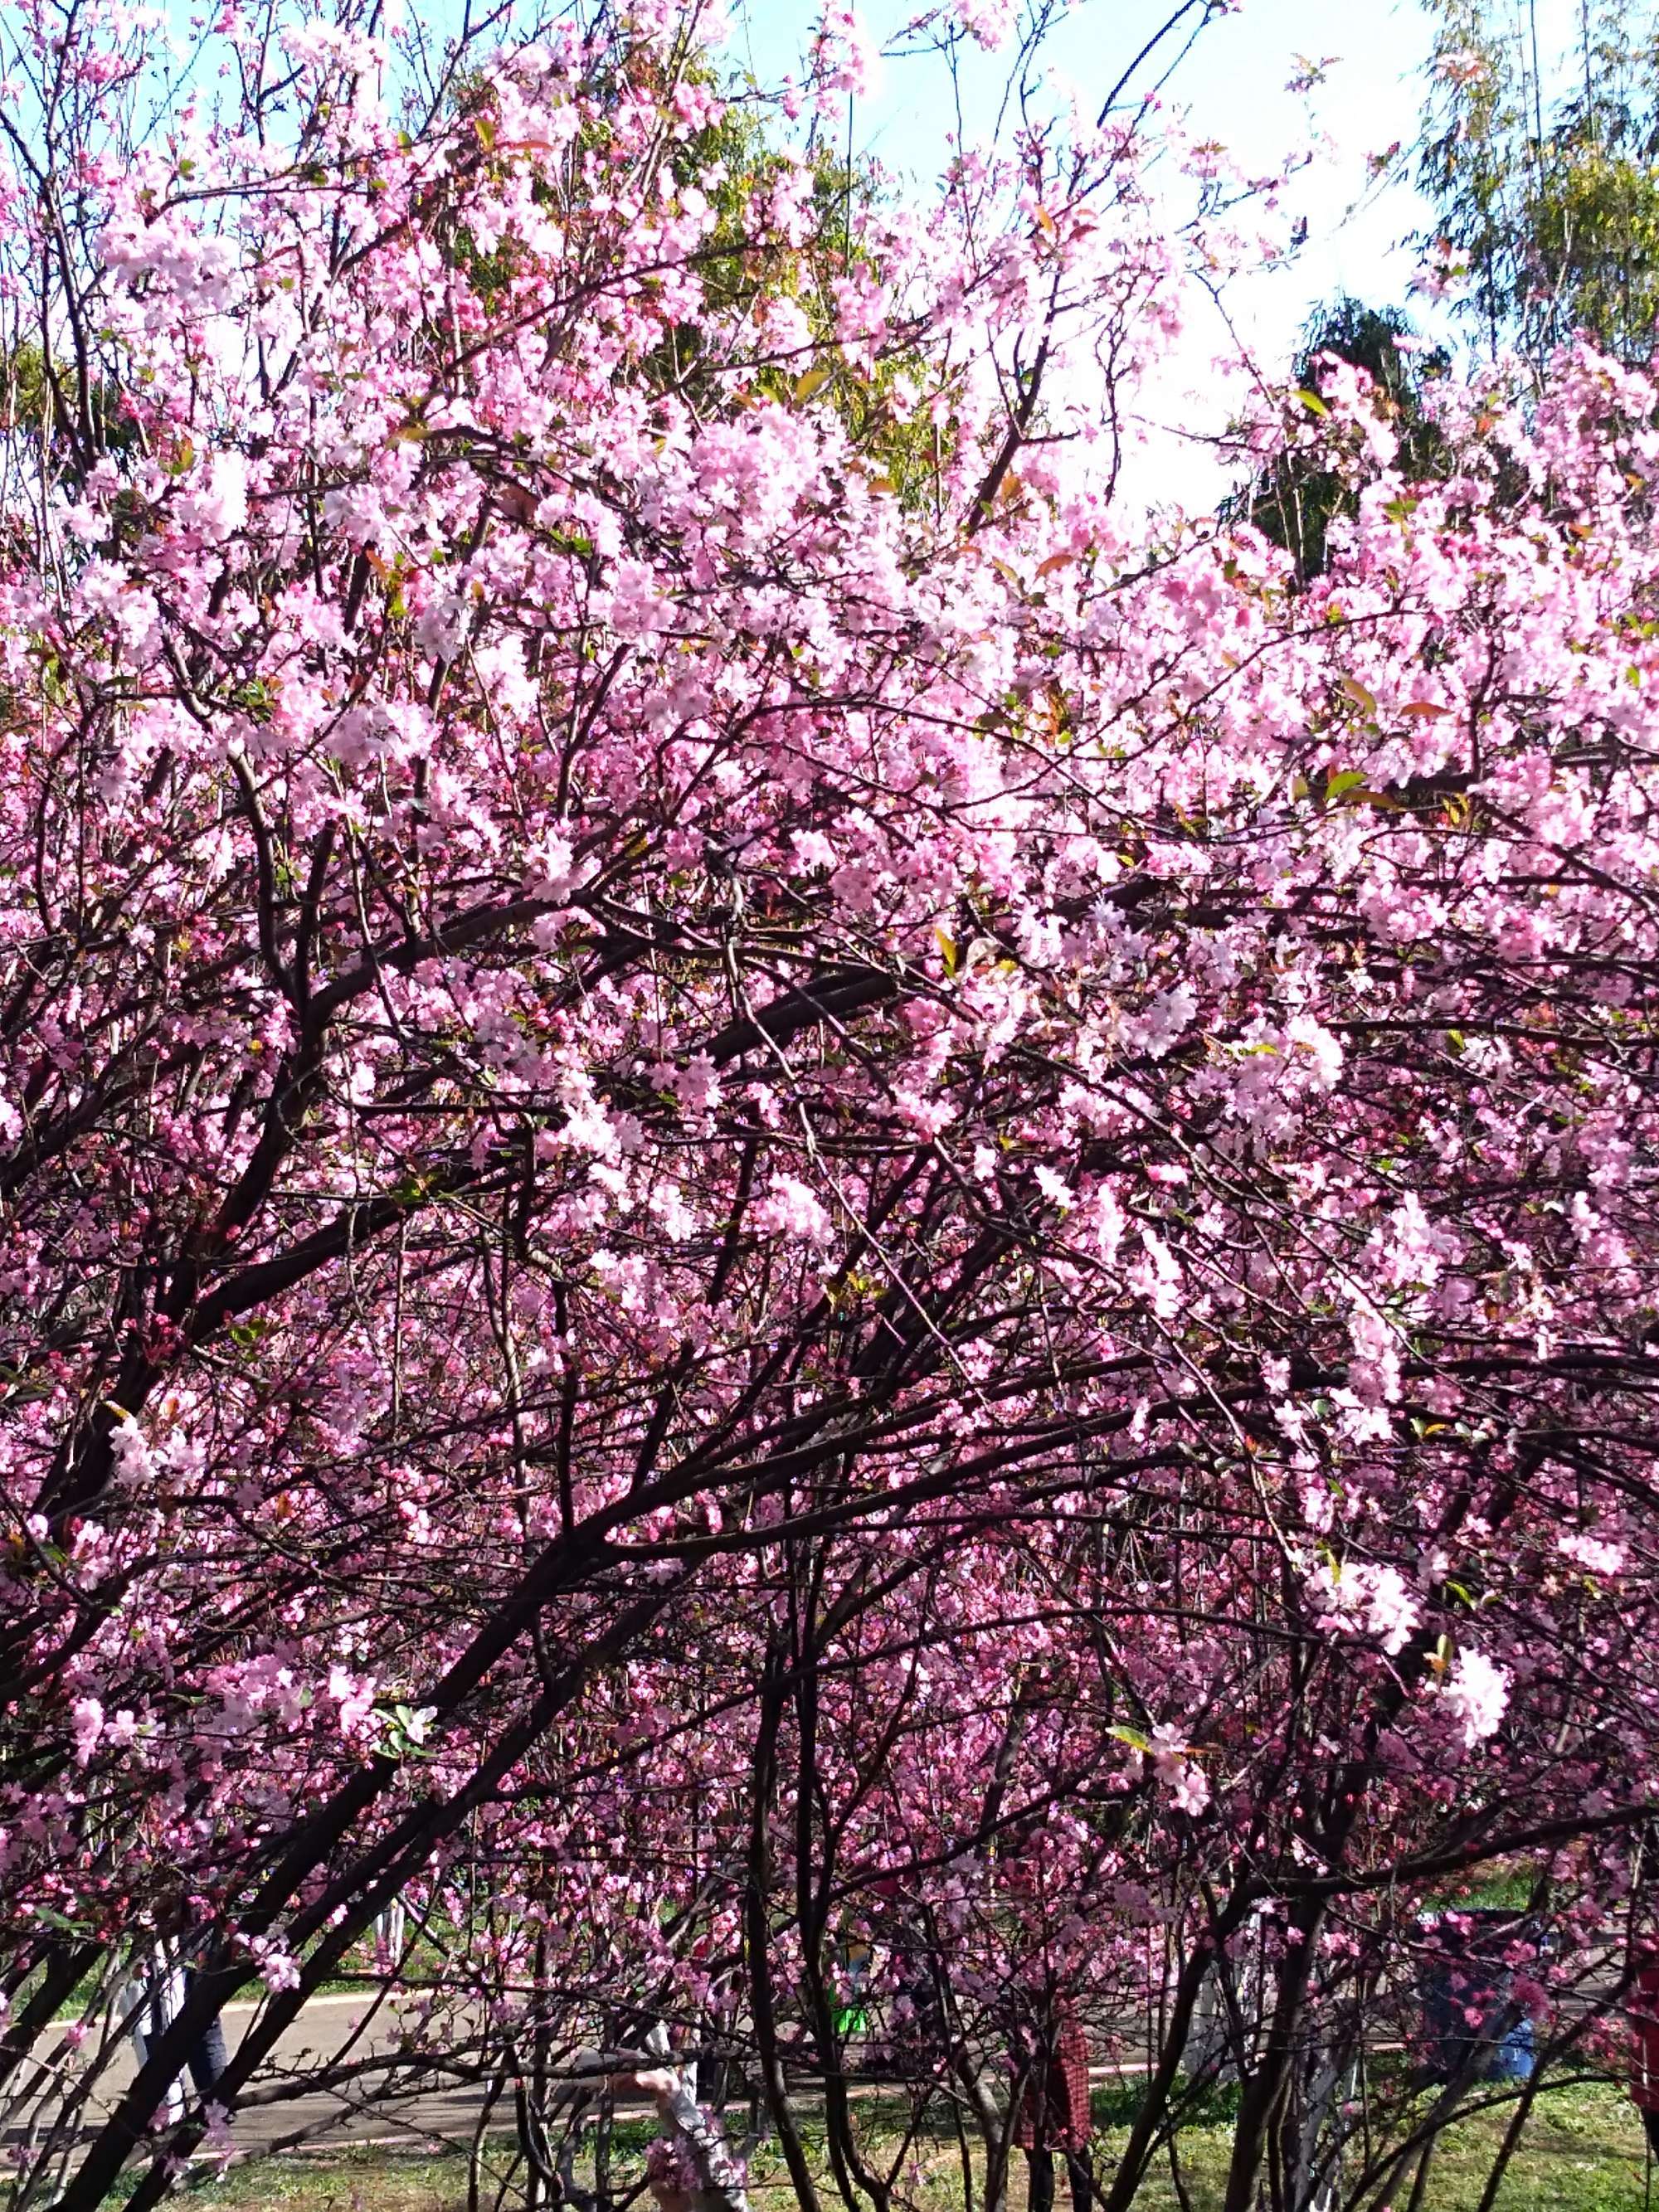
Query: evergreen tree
1296, 501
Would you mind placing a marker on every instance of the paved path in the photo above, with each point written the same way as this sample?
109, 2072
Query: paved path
313, 2042
425, 2114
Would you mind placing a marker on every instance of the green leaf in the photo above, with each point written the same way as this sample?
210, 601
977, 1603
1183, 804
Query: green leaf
56, 1919
1133, 1737
813, 380
1313, 403
1348, 779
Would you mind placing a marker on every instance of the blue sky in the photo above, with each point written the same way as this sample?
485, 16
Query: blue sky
1234, 85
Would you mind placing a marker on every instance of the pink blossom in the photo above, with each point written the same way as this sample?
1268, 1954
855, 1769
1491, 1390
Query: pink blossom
1477, 1694
792, 1208
87, 1716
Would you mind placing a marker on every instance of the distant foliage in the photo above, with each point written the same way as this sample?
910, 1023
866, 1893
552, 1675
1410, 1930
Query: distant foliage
1546, 172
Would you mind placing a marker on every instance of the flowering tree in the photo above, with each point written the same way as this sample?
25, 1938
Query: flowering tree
718, 1106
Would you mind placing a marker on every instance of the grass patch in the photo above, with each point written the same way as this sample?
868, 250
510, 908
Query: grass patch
1584, 2151
367, 2180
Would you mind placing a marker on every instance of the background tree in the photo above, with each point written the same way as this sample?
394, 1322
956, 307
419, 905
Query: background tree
1545, 172
1295, 500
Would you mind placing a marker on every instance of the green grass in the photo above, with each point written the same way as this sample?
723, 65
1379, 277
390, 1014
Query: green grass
347, 2181
1583, 2151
